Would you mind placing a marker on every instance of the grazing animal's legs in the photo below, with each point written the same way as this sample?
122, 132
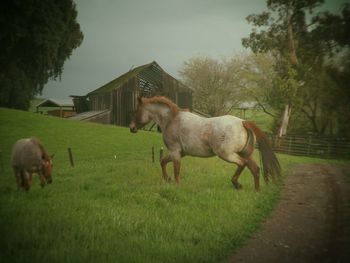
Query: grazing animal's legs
235, 177
25, 180
253, 167
30, 178
163, 164
18, 178
42, 179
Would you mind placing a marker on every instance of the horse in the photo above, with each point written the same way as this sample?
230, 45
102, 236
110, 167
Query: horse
184, 133
29, 156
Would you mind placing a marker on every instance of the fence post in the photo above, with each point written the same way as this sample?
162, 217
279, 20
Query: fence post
161, 154
152, 154
70, 157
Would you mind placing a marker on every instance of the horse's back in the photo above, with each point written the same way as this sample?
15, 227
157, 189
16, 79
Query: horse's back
228, 133
207, 136
26, 155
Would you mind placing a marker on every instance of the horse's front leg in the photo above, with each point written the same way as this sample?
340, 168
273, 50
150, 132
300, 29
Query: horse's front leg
163, 164
42, 179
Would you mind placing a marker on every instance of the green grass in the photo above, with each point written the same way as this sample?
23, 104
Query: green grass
113, 205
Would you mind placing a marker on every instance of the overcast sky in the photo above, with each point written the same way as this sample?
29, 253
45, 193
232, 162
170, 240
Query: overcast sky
121, 34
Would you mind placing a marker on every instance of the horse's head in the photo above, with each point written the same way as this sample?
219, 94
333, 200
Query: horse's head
141, 116
46, 168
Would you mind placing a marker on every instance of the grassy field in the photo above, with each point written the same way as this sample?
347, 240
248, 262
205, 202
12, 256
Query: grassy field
113, 205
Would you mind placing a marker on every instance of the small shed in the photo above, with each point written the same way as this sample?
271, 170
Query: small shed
119, 96
59, 108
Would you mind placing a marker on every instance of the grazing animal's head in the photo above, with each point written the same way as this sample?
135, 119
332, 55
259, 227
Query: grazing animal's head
46, 167
141, 116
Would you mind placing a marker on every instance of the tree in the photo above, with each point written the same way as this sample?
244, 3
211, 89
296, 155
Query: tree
282, 35
255, 75
221, 85
213, 83
333, 29
326, 96
36, 39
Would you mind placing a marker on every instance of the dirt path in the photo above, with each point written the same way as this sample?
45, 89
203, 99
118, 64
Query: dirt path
311, 223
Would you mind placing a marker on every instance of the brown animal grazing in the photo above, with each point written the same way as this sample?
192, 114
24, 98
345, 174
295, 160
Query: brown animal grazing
28, 157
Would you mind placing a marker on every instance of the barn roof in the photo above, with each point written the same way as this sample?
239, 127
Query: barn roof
56, 103
121, 79
88, 115
116, 83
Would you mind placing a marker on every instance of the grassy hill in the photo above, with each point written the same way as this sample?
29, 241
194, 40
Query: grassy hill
113, 206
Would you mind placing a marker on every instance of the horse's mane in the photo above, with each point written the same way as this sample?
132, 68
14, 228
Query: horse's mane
163, 100
44, 155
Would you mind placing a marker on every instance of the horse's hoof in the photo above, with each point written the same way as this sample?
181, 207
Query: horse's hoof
237, 185
167, 179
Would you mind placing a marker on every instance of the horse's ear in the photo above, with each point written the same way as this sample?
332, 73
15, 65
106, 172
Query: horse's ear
139, 99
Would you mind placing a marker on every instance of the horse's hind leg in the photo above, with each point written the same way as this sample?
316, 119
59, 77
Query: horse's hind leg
235, 177
253, 167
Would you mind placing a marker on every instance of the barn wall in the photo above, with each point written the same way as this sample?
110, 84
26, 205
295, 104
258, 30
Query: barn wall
122, 100
100, 101
177, 92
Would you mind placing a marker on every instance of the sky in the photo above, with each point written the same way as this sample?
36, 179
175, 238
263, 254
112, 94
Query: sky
122, 34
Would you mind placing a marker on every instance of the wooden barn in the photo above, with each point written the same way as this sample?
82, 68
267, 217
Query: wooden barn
117, 99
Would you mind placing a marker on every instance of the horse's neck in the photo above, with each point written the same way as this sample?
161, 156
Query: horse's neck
161, 114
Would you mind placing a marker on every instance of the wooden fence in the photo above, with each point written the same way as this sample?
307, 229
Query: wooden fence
321, 147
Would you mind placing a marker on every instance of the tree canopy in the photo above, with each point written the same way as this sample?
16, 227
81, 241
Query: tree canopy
305, 45
220, 85
37, 37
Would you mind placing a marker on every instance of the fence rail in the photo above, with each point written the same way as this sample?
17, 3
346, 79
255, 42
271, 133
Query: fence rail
322, 147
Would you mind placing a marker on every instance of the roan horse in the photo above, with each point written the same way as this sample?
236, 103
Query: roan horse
185, 133
29, 156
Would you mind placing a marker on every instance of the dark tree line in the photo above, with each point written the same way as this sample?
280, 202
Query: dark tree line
36, 38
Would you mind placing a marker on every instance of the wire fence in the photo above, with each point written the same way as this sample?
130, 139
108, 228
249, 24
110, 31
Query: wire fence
320, 147
153, 154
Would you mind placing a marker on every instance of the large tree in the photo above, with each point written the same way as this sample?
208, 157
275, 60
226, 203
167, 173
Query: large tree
215, 90
282, 32
220, 85
303, 48
36, 38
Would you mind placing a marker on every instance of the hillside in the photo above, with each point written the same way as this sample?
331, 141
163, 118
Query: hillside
114, 206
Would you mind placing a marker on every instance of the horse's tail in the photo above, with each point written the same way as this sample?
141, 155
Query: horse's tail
270, 164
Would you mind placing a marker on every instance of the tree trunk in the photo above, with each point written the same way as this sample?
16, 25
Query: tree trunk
282, 129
